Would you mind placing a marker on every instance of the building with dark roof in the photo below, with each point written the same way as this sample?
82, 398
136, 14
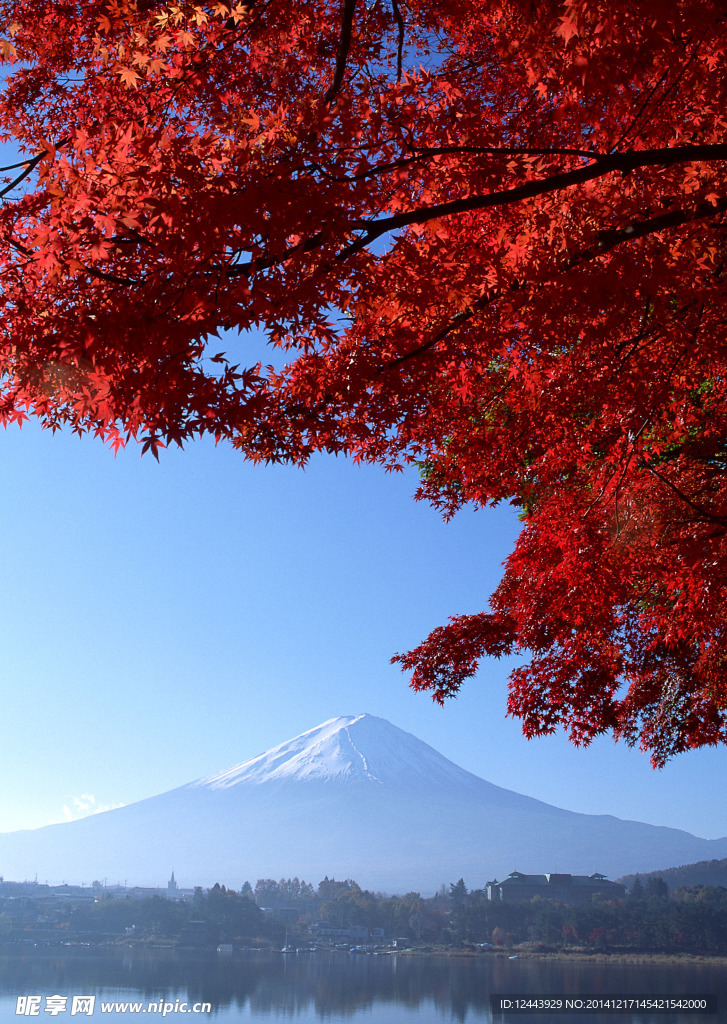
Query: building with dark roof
562, 887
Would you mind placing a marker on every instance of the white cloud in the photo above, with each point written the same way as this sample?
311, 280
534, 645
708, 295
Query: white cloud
84, 805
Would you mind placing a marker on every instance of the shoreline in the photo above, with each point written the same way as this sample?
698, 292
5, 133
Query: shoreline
577, 956
553, 955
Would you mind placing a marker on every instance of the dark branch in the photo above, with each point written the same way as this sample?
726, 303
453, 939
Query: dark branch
451, 325
29, 166
611, 163
639, 112
608, 240
703, 513
344, 44
662, 99
400, 46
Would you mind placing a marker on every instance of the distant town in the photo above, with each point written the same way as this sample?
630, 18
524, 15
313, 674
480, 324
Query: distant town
521, 912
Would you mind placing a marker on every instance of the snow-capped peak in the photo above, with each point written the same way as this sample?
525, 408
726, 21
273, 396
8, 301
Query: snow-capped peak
354, 748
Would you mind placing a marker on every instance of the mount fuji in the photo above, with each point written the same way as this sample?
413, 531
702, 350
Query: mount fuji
357, 798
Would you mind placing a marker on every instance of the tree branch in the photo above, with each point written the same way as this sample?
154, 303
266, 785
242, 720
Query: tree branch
29, 166
400, 46
703, 513
624, 135
661, 100
608, 240
609, 164
344, 44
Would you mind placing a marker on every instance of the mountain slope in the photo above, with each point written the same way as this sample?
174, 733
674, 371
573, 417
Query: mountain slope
355, 797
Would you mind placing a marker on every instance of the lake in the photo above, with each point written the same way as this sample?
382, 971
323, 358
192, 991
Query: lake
333, 987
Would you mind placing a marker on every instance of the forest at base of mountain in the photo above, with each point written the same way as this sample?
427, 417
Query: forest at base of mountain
704, 872
691, 919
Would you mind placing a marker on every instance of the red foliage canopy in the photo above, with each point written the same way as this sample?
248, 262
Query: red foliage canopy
490, 236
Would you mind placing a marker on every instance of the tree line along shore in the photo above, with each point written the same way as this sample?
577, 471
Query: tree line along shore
650, 919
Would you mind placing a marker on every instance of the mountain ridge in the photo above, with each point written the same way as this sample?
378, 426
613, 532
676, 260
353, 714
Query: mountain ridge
355, 797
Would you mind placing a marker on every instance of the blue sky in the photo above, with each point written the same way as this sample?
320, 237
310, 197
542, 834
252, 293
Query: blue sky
161, 621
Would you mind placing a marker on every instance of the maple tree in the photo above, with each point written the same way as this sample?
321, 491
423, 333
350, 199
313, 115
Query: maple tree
489, 239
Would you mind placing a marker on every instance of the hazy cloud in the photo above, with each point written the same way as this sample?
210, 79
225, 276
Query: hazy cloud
84, 805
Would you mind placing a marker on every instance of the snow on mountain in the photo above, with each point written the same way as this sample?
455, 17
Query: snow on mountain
358, 748
355, 797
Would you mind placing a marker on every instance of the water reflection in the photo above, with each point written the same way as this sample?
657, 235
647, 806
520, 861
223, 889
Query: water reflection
253, 986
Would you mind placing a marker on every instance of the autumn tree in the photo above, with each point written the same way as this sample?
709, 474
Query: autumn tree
488, 239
